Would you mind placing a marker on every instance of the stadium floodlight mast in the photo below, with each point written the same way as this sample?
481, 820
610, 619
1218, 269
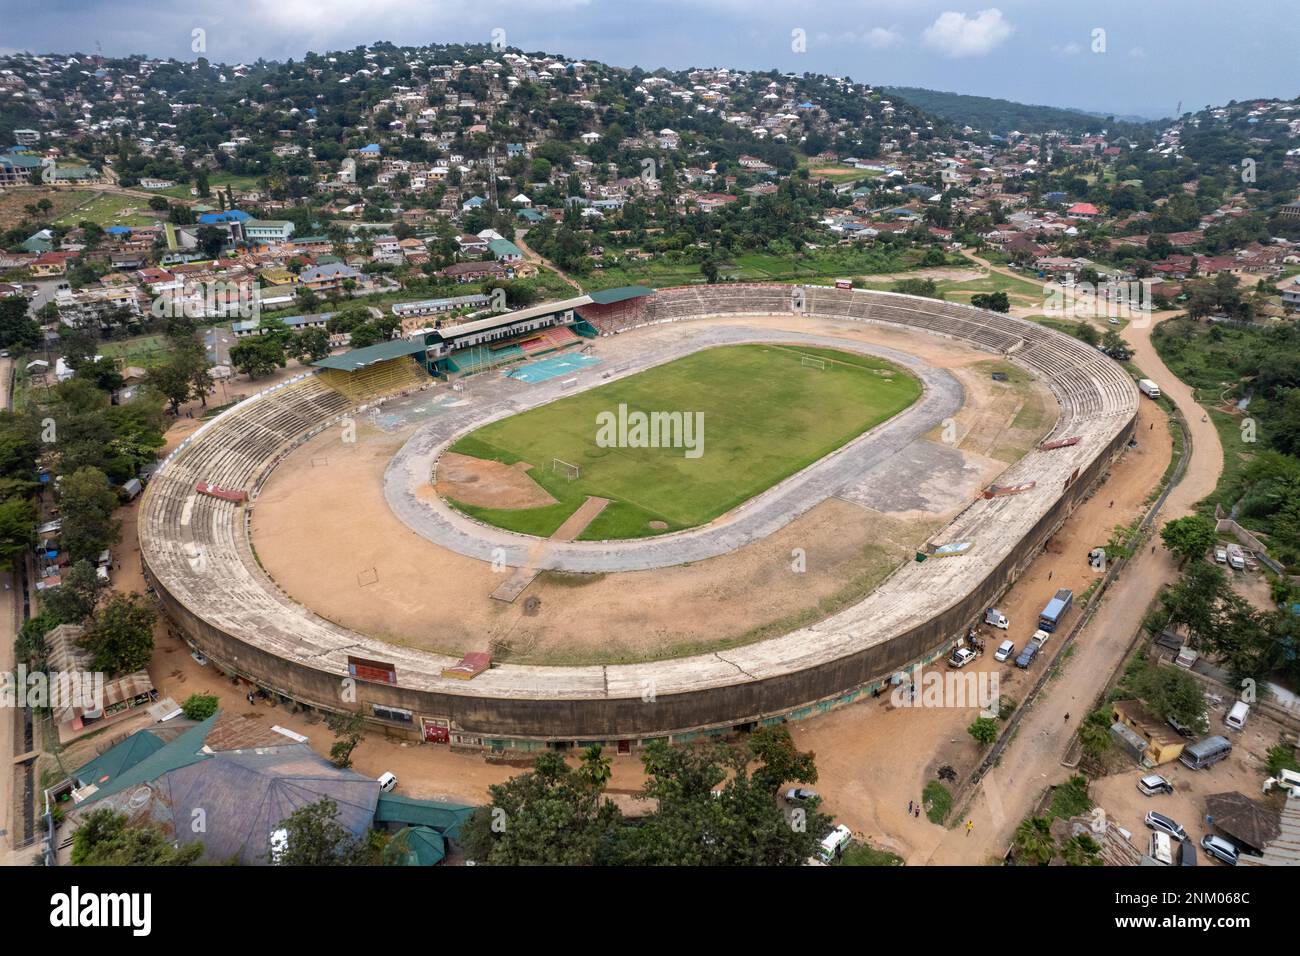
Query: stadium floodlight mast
568, 469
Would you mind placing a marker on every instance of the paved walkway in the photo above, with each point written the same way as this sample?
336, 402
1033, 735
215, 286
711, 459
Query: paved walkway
881, 448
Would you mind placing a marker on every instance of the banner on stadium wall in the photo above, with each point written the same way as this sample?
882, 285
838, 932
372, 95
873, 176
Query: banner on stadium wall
377, 672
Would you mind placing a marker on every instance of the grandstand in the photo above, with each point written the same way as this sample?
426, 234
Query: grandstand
369, 373
232, 611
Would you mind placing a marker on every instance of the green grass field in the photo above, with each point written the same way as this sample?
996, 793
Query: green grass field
766, 416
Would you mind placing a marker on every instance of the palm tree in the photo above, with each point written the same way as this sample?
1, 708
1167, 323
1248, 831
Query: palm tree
1081, 850
1034, 843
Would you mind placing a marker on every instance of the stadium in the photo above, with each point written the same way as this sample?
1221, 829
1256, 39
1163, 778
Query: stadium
412, 530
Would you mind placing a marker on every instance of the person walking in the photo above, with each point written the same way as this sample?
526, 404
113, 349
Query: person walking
970, 825
918, 813
909, 808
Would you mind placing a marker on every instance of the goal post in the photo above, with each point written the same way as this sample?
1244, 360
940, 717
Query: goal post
810, 361
561, 467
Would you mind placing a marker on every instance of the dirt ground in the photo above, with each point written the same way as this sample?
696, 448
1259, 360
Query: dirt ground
364, 569
865, 783
488, 484
1243, 771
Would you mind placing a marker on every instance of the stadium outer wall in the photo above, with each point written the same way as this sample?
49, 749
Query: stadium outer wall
517, 723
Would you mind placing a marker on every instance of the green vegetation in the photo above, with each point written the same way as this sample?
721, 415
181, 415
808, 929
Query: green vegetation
1002, 116
937, 800
863, 854
765, 417
1225, 363
714, 804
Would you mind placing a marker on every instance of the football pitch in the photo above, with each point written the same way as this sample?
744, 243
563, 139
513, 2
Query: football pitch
736, 420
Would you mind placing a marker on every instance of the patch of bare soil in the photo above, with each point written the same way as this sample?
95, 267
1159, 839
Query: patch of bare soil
488, 484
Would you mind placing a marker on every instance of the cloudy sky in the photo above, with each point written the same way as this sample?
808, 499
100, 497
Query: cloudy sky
1118, 56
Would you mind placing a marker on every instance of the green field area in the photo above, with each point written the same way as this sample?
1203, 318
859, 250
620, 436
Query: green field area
216, 180
766, 415
828, 263
111, 209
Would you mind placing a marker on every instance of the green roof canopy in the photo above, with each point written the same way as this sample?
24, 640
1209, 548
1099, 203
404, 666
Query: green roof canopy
445, 818
360, 358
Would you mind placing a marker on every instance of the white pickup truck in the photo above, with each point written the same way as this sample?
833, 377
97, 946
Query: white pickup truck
1040, 637
961, 657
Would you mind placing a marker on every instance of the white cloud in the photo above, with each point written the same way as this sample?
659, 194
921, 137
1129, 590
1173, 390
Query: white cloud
958, 35
883, 38
877, 38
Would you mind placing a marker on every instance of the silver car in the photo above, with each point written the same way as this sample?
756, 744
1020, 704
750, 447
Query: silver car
1158, 821
1219, 848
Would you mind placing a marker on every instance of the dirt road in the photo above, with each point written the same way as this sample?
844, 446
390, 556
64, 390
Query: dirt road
1032, 761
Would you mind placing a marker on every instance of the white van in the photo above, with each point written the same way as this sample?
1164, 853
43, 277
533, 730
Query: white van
835, 843
1236, 718
387, 781
1161, 849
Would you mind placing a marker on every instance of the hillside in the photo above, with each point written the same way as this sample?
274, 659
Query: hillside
1002, 116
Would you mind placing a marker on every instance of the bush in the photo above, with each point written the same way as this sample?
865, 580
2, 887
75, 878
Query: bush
199, 706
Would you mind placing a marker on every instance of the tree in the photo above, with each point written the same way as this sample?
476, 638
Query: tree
18, 330
1172, 693
996, 301
175, 378
1189, 537
313, 836
17, 528
984, 730
106, 838
86, 505
348, 730
119, 635
1034, 843
551, 815
200, 706
313, 344
1094, 733
257, 355
75, 600
1115, 346
711, 810
1081, 850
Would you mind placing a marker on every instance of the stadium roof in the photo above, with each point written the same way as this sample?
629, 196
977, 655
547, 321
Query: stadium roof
508, 318
360, 358
621, 294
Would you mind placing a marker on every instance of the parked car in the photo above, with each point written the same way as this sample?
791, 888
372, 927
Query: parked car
1158, 821
1187, 854
387, 781
1004, 651
1153, 784
1027, 655
1220, 554
1219, 848
799, 794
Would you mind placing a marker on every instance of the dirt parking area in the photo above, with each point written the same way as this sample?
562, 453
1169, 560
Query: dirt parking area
1243, 771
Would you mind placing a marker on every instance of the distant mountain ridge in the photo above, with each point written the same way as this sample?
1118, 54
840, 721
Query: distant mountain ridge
1001, 116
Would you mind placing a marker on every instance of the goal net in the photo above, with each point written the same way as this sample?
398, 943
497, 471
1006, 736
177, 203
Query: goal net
561, 467
809, 361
